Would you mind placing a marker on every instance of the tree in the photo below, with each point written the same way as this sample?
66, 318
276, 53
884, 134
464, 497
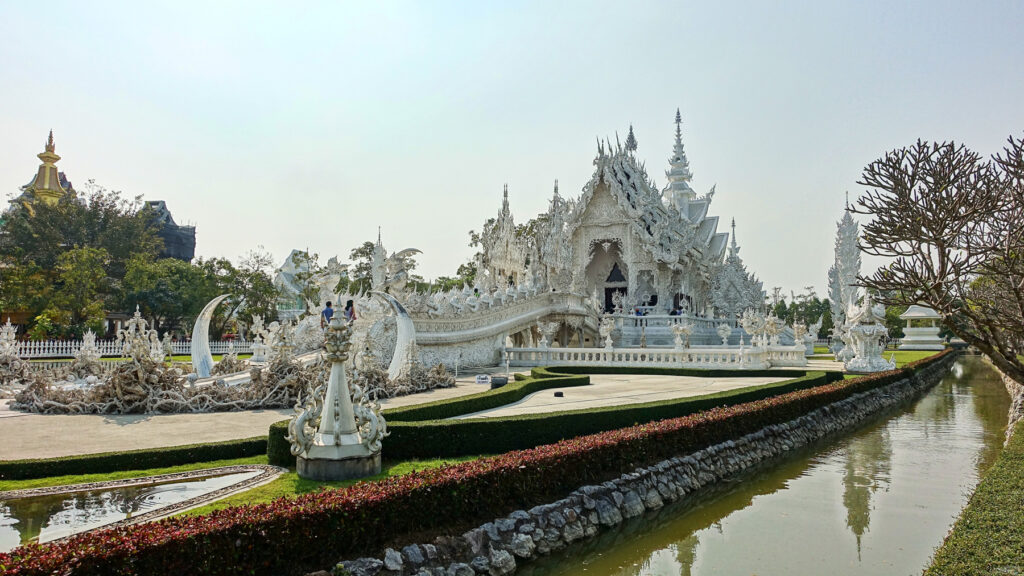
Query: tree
309, 269
77, 302
361, 273
167, 291
36, 239
950, 221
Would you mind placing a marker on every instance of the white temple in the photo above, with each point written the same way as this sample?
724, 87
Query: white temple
650, 260
659, 249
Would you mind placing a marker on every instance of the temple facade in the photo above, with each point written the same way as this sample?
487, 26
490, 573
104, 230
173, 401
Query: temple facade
625, 242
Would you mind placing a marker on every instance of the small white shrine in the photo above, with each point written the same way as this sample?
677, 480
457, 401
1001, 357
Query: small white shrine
922, 329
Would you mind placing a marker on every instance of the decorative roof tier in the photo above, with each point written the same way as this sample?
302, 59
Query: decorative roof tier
49, 185
916, 312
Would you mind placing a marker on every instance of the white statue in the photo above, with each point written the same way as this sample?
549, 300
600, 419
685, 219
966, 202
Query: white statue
606, 328
547, 332
681, 331
724, 331
335, 434
866, 334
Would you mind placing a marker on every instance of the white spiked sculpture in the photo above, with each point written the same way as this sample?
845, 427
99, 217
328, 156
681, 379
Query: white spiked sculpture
335, 434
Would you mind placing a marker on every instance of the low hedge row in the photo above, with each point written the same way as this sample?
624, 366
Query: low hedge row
988, 538
292, 536
440, 438
132, 459
278, 449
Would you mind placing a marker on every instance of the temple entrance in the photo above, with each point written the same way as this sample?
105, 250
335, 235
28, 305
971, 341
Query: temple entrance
606, 272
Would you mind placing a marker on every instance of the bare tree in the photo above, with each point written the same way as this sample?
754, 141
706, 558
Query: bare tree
953, 224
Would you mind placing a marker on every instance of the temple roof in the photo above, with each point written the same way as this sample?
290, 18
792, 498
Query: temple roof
672, 236
920, 312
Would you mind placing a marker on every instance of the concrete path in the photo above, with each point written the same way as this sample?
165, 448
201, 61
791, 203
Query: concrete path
24, 435
620, 389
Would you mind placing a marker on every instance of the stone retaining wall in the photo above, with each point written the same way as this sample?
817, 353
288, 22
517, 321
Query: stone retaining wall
1017, 402
498, 547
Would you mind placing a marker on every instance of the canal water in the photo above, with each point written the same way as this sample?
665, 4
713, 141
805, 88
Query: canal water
878, 501
45, 518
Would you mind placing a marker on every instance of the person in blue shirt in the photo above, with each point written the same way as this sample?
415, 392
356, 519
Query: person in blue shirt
326, 315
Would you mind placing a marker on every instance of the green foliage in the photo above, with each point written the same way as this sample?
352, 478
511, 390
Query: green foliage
62, 264
987, 537
166, 291
77, 303
131, 460
361, 273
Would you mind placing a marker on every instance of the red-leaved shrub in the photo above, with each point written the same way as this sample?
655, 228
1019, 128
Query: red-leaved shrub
312, 531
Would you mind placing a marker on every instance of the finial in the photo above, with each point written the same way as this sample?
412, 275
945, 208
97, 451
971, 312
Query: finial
506, 191
556, 186
847, 200
679, 126
378, 236
631, 140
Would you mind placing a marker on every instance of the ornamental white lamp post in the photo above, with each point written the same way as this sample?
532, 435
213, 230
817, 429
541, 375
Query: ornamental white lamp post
337, 433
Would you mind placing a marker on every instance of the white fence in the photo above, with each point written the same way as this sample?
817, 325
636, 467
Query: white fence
694, 357
107, 348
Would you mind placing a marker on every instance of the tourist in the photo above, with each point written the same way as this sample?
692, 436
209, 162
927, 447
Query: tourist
325, 315
350, 311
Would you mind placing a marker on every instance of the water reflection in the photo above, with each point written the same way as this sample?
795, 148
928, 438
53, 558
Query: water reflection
876, 502
44, 518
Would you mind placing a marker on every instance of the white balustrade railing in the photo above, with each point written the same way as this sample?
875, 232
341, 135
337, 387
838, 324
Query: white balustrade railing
735, 358
68, 348
667, 321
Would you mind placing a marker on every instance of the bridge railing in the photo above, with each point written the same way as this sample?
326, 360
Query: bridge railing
735, 358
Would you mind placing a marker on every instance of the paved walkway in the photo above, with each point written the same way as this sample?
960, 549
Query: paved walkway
24, 435
618, 390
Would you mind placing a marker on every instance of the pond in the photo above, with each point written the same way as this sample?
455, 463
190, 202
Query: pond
49, 517
878, 501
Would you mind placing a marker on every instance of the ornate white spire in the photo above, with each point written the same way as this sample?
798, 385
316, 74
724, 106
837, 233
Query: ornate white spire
679, 191
504, 202
733, 248
631, 140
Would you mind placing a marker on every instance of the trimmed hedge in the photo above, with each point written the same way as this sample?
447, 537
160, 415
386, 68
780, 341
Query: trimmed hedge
423, 431
132, 459
988, 538
278, 449
292, 536
446, 438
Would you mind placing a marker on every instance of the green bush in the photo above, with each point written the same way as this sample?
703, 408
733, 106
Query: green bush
507, 394
444, 438
279, 449
131, 460
424, 431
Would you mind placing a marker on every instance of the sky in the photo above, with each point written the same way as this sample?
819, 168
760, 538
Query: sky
308, 125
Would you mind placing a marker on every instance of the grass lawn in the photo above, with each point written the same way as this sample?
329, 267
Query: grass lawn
289, 483
822, 350
122, 475
987, 537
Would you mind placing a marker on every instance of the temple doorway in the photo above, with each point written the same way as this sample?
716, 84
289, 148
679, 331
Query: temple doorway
606, 273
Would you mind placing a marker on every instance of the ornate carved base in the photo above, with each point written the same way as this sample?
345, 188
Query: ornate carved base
332, 470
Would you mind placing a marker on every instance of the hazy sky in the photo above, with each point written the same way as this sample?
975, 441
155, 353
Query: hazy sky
294, 125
